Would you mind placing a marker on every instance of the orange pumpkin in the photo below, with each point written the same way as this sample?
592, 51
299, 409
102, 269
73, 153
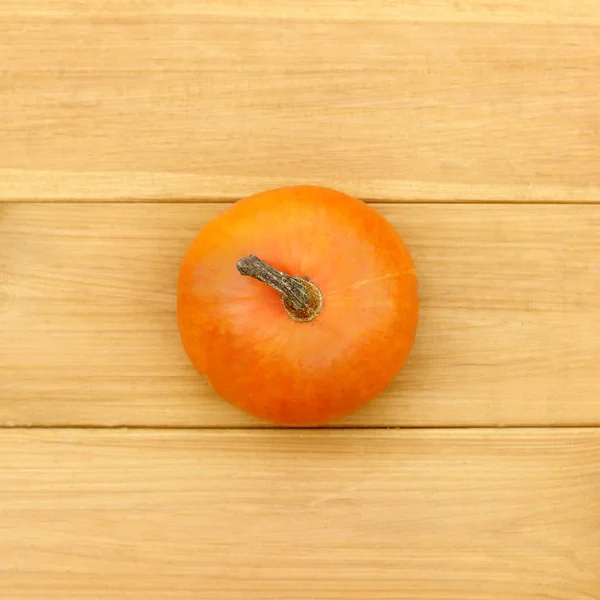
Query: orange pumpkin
299, 305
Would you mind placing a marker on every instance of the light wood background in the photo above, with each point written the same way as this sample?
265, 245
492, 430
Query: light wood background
473, 126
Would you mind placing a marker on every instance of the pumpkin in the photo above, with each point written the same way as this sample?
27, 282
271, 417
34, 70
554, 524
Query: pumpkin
298, 305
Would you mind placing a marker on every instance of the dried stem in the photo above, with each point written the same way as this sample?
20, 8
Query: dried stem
302, 299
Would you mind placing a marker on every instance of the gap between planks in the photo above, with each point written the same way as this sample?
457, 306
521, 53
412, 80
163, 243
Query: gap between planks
332, 427
229, 200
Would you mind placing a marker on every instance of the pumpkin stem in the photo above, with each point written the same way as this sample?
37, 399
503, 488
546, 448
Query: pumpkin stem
302, 299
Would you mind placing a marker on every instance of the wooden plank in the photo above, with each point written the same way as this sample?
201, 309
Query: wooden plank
334, 515
434, 100
585, 12
509, 330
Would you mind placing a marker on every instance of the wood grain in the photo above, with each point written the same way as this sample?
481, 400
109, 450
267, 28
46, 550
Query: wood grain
509, 330
266, 515
585, 12
435, 100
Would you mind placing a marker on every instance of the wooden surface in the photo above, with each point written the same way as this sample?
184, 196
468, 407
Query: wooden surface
407, 515
430, 100
473, 126
509, 331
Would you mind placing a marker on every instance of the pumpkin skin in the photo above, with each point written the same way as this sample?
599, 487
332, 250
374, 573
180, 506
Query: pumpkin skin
237, 333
